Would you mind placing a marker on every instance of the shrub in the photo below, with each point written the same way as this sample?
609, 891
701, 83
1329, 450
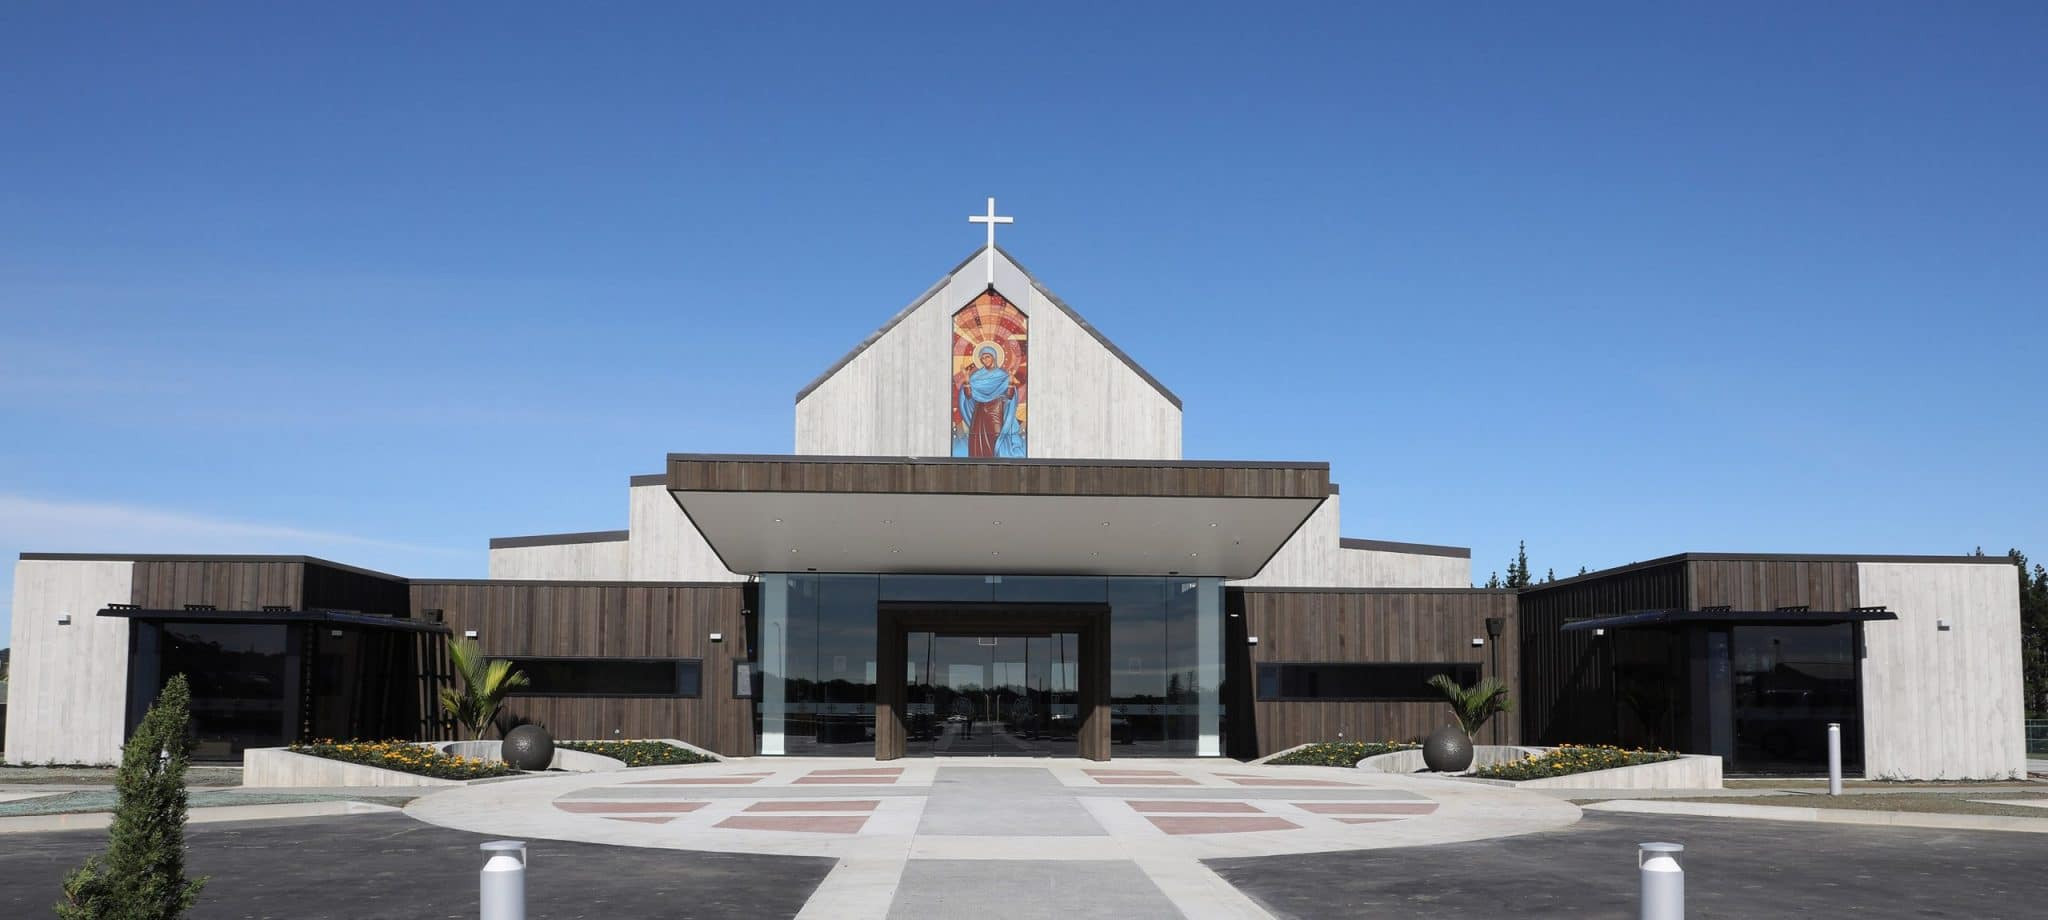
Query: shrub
1473, 705
1340, 753
485, 682
142, 875
1567, 759
639, 753
405, 757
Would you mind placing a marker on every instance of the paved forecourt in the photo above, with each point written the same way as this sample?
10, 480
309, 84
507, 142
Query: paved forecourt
909, 834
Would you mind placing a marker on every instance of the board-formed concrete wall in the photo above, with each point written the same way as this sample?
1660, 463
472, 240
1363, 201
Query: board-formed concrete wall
600, 561
68, 693
664, 545
892, 398
1314, 557
1942, 704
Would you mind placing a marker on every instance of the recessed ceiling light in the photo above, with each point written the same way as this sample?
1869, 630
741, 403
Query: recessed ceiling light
995, 552
1212, 523
887, 521
778, 520
894, 550
1194, 554
792, 549
1105, 523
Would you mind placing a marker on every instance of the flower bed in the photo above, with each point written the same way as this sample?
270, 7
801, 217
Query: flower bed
638, 753
1567, 759
405, 757
1339, 753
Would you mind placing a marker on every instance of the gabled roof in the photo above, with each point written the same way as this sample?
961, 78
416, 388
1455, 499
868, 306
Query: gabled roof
934, 290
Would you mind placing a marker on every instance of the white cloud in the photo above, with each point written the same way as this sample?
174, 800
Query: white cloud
66, 526
40, 525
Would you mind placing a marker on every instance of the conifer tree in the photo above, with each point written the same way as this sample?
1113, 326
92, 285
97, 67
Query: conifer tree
142, 874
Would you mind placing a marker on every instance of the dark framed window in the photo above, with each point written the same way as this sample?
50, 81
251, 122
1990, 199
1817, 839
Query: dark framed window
675, 677
1350, 680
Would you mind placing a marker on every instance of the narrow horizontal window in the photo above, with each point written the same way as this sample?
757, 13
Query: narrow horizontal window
610, 676
1346, 680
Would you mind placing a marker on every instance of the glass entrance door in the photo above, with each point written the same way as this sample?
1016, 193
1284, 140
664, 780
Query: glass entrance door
1015, 695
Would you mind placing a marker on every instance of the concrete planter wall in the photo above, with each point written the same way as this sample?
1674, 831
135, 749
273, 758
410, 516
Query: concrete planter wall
1483, 755
1689, 771
278, 767
565, 759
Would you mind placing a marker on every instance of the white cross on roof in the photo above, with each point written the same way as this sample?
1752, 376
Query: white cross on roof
991, 220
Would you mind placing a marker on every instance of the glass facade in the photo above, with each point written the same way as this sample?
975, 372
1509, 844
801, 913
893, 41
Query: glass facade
1759, 695
818, 635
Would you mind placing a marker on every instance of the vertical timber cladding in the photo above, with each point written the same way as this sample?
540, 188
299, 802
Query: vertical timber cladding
1768, 584
256, 582
613, 620
1365, 625
1568, 693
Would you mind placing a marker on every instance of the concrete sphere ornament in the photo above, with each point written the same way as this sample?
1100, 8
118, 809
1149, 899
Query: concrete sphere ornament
529, 747
1447, 750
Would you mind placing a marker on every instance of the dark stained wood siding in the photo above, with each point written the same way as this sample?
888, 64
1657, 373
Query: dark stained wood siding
330, 587
625, 620
1768, 584
1365, 626
1165, 478
1568, 689
227, 585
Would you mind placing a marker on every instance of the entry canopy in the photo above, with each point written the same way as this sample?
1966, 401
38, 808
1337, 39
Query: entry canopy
1655, 618
944, 515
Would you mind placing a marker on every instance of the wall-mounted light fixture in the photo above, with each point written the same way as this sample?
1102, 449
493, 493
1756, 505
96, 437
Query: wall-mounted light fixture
1942, 624
1478, 642
1599, 632
469, 634
718, 637
1251, 640
334, 634
63, 619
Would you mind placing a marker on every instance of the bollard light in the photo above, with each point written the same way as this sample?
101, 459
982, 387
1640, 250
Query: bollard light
1834, 758
501, 887
1663, 881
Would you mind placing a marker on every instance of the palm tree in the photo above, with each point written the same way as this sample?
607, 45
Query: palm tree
1475, 704
485, 682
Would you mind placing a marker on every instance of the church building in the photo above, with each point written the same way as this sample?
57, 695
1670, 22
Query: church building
986, 541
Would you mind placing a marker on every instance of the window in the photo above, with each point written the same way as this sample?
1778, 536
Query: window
1318, 680
610, 676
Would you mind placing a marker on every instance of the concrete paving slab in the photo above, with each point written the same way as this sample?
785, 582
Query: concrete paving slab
1028, 890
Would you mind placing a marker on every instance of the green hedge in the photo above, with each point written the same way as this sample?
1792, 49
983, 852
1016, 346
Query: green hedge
405, 757
1340, 753
1567, 759
639, 753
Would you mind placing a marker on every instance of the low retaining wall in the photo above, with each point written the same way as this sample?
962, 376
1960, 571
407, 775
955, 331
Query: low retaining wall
1689, 771
269, 767
1483, 755
565, 759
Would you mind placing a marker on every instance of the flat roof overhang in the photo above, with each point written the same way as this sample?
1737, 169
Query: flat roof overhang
799, 513
1657, 618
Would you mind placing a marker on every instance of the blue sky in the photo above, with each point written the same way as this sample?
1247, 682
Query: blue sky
378, 285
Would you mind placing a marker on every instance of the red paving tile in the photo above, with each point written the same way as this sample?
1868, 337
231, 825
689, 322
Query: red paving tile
862, 805
1367, 808
643, 820
815, 780
1205, 808
1187, 824
603, 808
824, 824
1146, 781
